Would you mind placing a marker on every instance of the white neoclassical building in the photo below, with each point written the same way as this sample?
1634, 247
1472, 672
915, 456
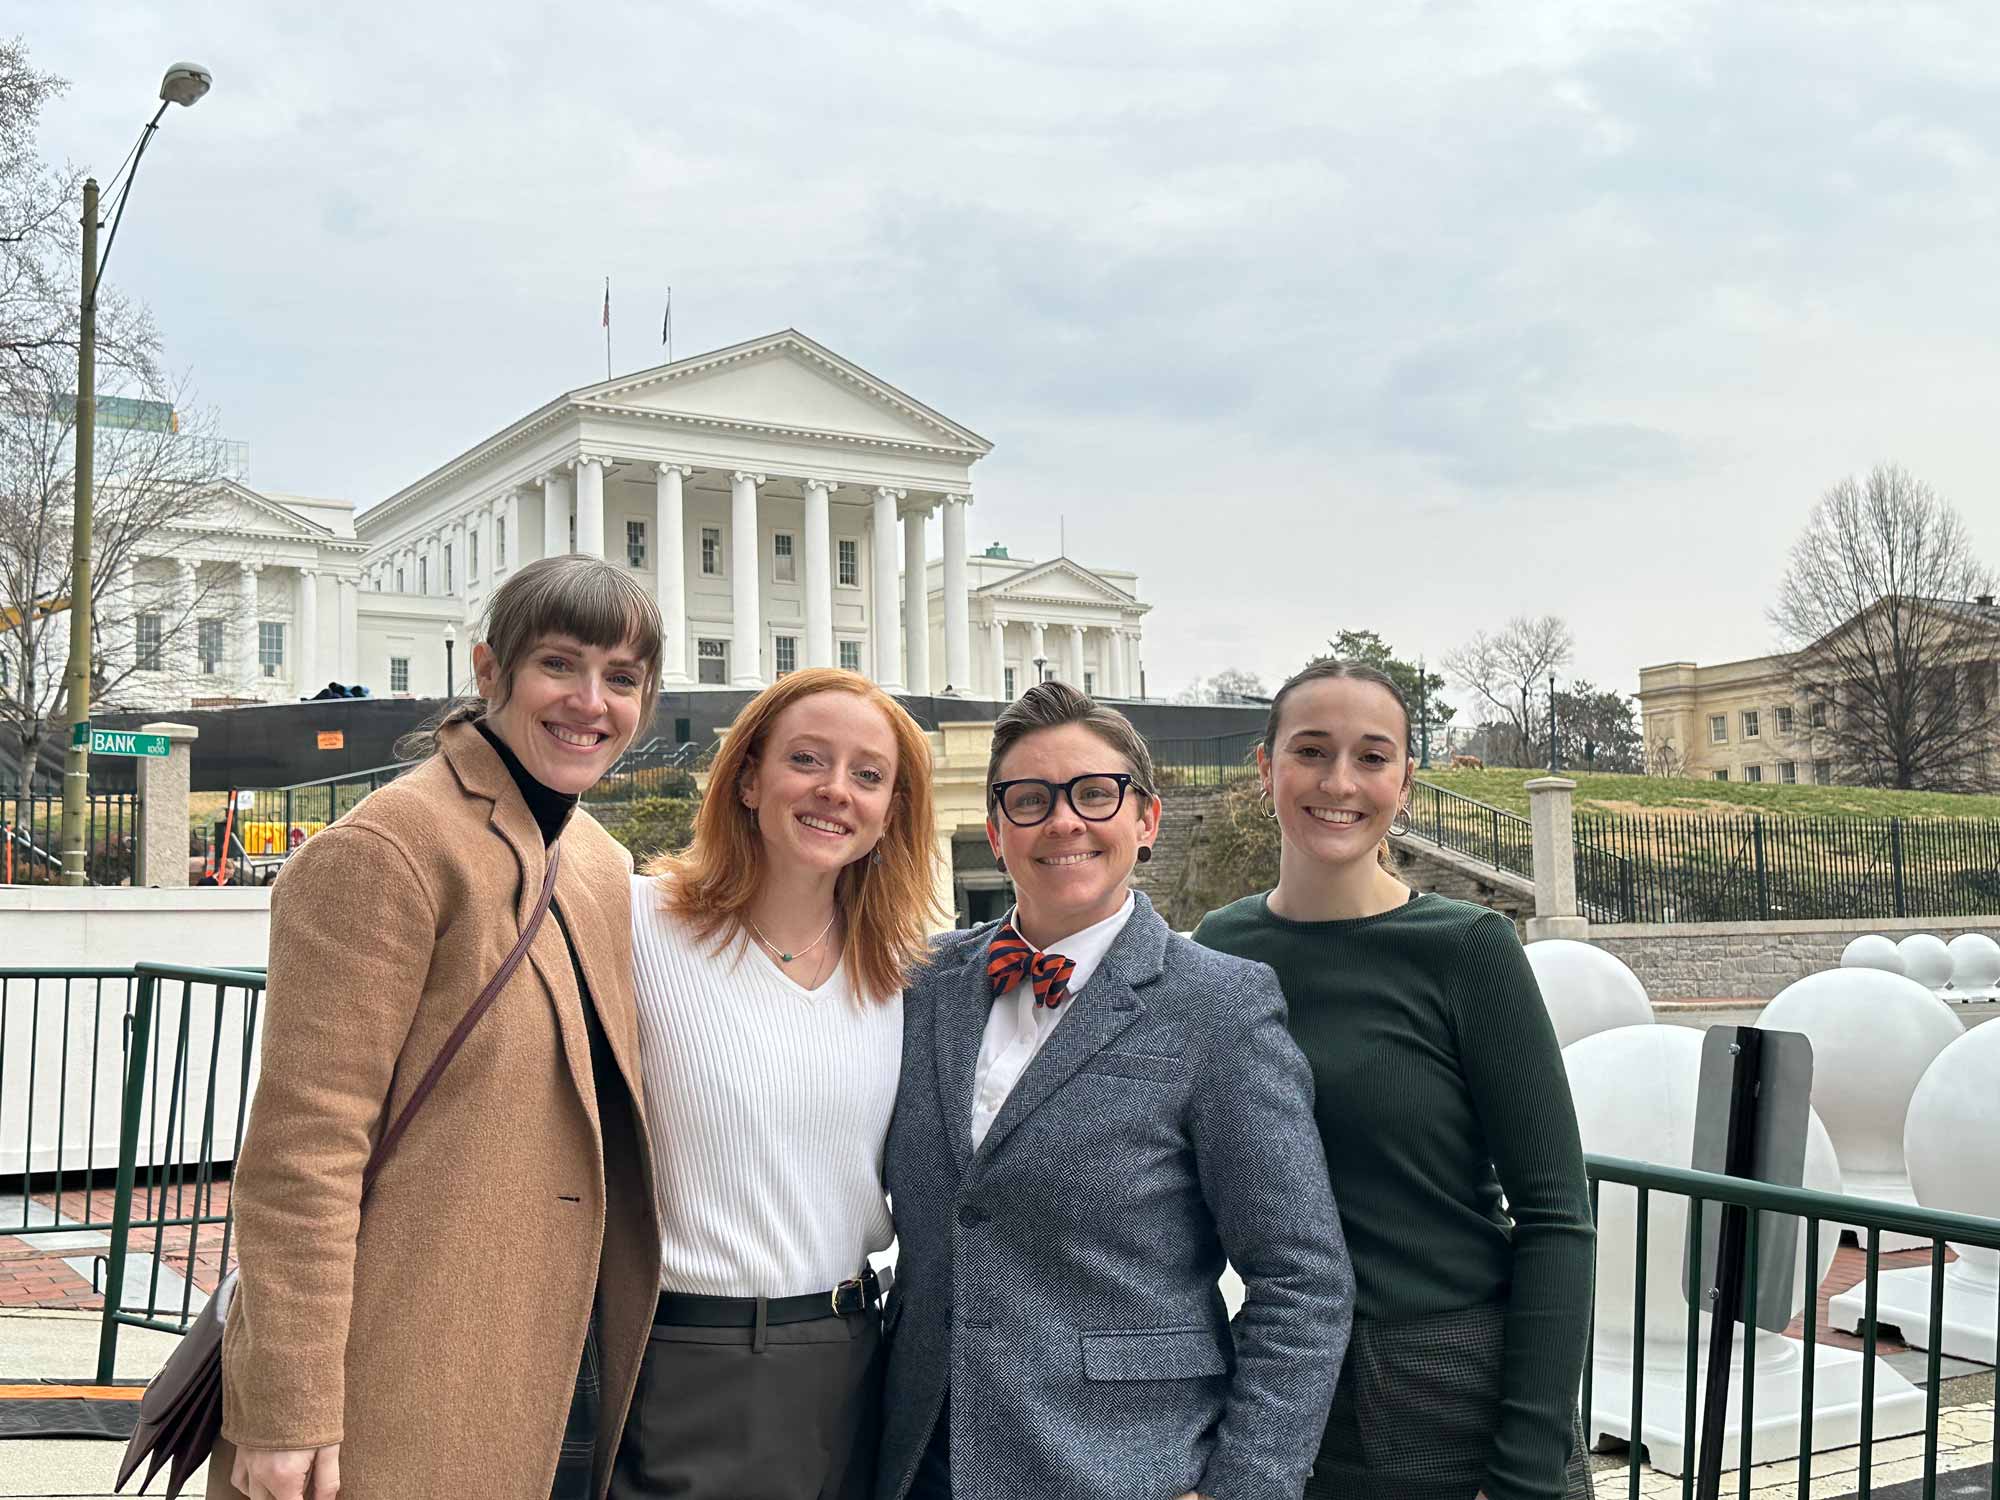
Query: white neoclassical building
772, 495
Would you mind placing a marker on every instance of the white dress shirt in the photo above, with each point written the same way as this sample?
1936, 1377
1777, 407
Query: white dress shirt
1016, 1027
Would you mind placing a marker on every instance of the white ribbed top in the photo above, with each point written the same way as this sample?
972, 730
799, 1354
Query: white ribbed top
769, 1106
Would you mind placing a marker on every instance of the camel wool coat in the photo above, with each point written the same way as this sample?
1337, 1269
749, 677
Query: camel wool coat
435, 1333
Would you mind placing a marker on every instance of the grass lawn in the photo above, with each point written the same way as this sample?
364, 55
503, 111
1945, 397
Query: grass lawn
1642, 795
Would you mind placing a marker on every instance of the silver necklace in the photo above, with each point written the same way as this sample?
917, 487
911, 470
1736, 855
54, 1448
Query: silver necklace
782, 956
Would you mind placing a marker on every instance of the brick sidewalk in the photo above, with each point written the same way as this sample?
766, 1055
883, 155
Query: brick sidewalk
32, 1275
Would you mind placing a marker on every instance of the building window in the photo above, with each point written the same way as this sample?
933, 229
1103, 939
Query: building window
447, 567
1785, 720
472, 554
711, 551
784, 565
423, 575
148, 642
711, 663
1008, 673
1718, 729
850, 563
271, 646
1788, 772
787, 654
1753, 773
572, 531
399, 580
635, 544
1089, 683
499, 541
399, 674
1823, 772
1722, 775
208, 645
1750, 724
850, 656
1818, 719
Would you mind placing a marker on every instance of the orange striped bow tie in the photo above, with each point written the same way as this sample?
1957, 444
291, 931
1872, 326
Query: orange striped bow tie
1010, 959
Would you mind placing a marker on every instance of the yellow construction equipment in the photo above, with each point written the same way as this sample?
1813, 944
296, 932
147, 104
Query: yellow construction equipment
10, 615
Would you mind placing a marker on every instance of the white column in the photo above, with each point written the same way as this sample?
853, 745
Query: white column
746, 646
916, 605
305, 656
590, 506
996, 645
1038, 649
555, 514
819, 573
120, 611
882, 608
1076, 657
1132, 672
507, 551
489, 519
957, 597
349, 653
184, 656
670, 570
246, 626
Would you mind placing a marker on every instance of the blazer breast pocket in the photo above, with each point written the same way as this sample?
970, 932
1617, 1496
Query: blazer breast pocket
1138, 1065
1155, 1354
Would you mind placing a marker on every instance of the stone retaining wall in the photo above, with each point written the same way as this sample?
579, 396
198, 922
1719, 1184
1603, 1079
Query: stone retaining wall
1751, 960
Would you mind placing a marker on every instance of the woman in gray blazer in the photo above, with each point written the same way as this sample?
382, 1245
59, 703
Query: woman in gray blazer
1094, 1114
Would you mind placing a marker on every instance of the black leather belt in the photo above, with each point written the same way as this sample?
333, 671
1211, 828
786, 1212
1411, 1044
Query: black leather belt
687, 1310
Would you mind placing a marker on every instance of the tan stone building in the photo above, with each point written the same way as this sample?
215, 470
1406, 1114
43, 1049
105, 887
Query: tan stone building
1735, 721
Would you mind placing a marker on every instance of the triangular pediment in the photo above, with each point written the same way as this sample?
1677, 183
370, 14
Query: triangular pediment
785, 383
235, 509
1058, 579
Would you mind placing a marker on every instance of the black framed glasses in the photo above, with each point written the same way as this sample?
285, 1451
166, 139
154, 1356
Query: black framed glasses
1094, 797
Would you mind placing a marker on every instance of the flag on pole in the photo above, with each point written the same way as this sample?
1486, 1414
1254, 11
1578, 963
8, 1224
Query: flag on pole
607, 302
667, 324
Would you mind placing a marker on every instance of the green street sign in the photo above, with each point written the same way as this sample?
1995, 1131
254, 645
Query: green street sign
122, 742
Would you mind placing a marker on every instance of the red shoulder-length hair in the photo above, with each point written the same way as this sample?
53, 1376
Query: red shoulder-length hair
888, 902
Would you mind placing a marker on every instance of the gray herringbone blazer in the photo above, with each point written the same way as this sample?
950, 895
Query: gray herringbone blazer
1060, 1282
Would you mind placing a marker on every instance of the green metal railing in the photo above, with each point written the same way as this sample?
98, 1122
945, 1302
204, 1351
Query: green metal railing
1211, 761
1487, 833
1822, 1213
68, 1025
193, 1031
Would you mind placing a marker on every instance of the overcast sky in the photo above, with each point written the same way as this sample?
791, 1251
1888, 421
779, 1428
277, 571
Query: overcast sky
1395, 316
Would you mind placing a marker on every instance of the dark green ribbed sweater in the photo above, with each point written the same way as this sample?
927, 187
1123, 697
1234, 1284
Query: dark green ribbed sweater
1438, 1083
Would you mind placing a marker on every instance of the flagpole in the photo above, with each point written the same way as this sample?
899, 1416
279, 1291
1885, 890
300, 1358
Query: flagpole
667, 326
607, 328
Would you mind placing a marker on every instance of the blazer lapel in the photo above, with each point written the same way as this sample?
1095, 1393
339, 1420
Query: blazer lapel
958, 1025
1107, 1006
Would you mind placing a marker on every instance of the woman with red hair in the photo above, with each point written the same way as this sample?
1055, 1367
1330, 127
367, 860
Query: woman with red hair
769, 960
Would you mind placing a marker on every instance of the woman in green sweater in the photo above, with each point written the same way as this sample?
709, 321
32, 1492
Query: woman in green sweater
1446, 1117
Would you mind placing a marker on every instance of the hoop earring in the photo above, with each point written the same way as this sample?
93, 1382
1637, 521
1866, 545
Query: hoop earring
1270, 807
1402, 813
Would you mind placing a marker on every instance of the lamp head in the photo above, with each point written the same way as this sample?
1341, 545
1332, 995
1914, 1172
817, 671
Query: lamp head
185, 83
450, 635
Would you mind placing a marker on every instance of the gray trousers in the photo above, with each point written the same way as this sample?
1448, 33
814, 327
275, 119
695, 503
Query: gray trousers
719, 1415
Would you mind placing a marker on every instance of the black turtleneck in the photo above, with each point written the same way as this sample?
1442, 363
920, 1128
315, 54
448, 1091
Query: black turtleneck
551, 809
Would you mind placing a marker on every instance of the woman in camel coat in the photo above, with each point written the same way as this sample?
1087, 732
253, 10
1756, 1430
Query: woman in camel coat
431, 1342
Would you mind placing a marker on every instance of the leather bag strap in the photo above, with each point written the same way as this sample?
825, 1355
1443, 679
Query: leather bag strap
464, 1028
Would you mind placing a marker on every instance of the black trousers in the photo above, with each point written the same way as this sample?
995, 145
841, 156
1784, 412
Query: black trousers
720, 1414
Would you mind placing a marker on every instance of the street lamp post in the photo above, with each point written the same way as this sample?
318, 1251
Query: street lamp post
184, 84
450, 677
1423, 715
1041, 674
1555, 754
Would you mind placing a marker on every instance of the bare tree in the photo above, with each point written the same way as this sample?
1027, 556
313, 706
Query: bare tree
1230, 685
157, 456
1508, 670
1664, 757
1888, 613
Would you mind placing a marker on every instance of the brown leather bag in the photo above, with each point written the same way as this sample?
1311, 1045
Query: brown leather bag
180, 1416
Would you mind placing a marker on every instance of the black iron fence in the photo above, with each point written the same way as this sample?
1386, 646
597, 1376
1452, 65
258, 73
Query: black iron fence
1211, 761
1750, 868
1486, 833
31, 838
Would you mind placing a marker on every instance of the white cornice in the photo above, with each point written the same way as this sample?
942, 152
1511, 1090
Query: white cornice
601, 400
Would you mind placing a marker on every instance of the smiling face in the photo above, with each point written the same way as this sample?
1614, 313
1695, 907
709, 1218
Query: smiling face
824, 781
1069, 872
570, 711
1339, 770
